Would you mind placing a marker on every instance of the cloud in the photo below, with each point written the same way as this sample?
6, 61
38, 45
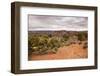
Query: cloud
44, 22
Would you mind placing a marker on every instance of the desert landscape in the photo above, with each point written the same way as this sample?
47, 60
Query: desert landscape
52, 37
51, 45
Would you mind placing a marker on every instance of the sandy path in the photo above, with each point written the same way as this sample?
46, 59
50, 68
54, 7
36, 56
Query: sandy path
67, 52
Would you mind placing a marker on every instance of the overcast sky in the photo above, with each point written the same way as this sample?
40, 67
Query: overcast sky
44, 22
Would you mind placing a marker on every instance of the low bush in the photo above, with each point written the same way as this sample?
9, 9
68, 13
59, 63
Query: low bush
43, 44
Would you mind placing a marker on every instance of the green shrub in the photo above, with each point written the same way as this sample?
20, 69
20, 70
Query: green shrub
82, 36
65, 37
42, 44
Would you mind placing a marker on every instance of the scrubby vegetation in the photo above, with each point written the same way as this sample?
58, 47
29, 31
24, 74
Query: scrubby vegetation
81, 36
44, 43
85, 45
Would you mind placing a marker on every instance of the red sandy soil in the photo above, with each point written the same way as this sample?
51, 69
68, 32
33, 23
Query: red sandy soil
73, 51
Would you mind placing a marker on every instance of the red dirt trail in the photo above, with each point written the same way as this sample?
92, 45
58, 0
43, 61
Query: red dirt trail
73, 51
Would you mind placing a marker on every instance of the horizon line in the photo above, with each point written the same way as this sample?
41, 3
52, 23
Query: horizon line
57, 30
